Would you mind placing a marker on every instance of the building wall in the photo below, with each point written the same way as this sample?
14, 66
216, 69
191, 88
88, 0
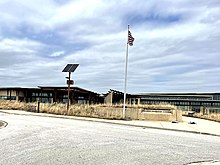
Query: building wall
3, 92
153, 115
20, 94
216, 97
11, 94
108, 98
50, 95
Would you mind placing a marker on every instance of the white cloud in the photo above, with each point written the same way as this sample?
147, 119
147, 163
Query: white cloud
57, 54
176, 44
20, 45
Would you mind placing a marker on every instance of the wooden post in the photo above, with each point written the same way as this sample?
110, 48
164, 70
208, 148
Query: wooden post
38, 107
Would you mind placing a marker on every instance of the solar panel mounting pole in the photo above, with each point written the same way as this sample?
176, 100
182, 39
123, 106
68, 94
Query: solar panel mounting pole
68, 102
69, 68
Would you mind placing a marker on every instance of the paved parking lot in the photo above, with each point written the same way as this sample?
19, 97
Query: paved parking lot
46, 140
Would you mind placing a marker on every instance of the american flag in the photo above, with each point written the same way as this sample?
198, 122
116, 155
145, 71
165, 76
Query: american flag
130, 39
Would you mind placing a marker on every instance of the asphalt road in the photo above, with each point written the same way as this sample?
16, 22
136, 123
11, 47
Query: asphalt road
44, 140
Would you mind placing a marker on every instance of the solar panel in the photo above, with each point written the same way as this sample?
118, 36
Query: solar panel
70, 67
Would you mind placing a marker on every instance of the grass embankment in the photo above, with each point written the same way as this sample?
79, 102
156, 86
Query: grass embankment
84, 110
211, 116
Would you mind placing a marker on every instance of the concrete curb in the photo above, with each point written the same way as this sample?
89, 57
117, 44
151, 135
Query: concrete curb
109, 122
3, 124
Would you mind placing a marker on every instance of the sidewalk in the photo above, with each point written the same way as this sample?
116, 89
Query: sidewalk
201, 126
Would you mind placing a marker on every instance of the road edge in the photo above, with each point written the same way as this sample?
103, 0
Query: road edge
109, 122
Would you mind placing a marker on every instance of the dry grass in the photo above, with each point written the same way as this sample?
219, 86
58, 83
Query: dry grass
212, 116
84, 110
6, 104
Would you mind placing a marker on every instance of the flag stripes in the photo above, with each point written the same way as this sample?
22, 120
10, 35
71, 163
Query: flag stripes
130, 38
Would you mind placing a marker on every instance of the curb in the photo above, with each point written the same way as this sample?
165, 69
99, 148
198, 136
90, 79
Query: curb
108, 122
3, 124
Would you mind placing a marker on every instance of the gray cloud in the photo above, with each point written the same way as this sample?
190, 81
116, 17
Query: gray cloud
176, 44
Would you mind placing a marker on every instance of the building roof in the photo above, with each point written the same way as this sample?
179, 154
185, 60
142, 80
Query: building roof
81, 90
202, 94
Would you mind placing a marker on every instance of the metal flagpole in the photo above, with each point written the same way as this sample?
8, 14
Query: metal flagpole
125, 85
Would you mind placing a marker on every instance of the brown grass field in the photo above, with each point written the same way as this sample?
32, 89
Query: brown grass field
212, 116
84, 110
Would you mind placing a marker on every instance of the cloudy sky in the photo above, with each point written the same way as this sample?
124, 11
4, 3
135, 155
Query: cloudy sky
176, 47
